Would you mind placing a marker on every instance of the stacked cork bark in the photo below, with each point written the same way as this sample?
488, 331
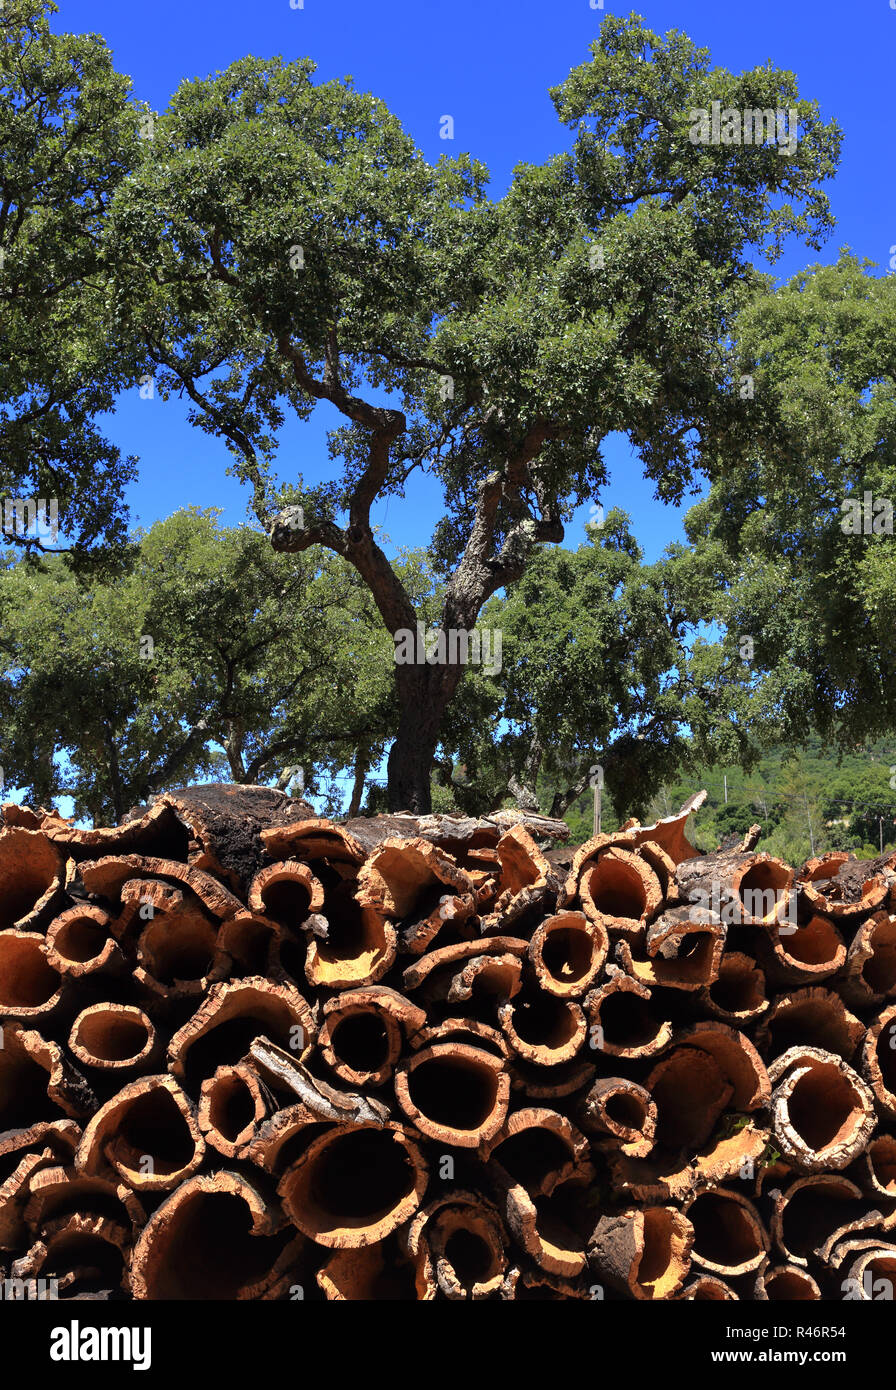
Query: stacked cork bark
252, 1054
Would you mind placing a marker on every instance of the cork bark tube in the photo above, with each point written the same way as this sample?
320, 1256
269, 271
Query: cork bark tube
216, 1237
567, 952
355, 1184
114, 1038
729, 1237
454, 1093
822, 1111
621, 1114
644, 1252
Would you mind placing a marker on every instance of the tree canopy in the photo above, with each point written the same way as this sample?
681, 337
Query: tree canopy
793, 548
211, 653
606, 674
283, 243
69, 134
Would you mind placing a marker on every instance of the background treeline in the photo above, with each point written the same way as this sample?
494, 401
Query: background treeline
270, 243
806, 800
213, 656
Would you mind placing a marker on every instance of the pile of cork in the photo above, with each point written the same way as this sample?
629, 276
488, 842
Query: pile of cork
246, 1053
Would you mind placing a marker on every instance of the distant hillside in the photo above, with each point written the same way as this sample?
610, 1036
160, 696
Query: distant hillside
806, 802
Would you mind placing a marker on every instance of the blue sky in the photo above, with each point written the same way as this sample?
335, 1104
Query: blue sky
489, 64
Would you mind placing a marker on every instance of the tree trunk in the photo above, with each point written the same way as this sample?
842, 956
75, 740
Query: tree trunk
424, 693
362, 764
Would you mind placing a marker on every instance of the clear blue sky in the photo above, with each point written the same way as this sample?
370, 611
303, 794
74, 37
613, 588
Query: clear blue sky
489, 64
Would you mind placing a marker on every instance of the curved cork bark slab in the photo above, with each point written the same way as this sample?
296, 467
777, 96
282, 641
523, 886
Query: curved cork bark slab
875, 1169
31, 989
620, 893
102, 1245
786, 1284
540, 1149
879, 1061
364, 1031
355, 1185
287, 892
141, 899
80, 942
442, 957
148, 1134
360, 1042
222, 1030
453, 1093
542, 1029
403, 874
737, 995
115, 1038
372, 1274
676, 1177
690, 1092
214, 827
244, 943
200, 1245
57, 1190
351, 943
808, 1211
468, 1030
729, 1236
870, 974
315, 838
736, 1057
707, 1289
529, 884
874, 1270
15, 1192
550, 1084
552, 1230
684, 950
567, 953
465, 1246
491, 978
37, 1081
177, 953
839, 885
645, 1253
106, 877
670, 832
762, 886
31, 878
812, 952
156, 831
233, 1105
445, 1261
620, 1020
530, 1285
822, 1112
620, 1114
816, 1017
587, 855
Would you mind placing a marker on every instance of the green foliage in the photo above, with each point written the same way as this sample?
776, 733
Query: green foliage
213, 657
807, 801
599, 669
283, 243
779, 565
69, 135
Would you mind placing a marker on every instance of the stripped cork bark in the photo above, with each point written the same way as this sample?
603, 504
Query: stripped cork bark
249, 1053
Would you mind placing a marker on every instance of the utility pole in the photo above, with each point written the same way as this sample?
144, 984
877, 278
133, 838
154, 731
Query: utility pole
725, 775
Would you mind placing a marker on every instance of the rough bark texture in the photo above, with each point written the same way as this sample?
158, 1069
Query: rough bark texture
249, 1054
